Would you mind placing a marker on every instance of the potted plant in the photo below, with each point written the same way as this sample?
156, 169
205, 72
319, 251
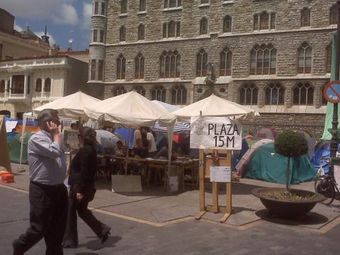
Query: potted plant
289, 203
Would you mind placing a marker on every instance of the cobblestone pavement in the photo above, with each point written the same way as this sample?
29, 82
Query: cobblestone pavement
189, 236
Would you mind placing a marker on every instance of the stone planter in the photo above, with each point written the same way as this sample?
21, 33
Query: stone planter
285, 208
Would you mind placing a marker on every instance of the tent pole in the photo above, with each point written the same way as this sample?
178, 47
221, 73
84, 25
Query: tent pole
21, 169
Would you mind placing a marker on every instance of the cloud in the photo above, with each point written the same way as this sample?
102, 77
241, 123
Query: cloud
87, 13
67, 15
18, 28
61, 11
51, 39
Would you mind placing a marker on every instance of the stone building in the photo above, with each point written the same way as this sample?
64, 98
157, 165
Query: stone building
271, 55
14, 44
29, 83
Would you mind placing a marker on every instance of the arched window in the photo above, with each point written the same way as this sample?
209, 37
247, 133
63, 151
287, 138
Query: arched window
329, 58
38, 85
333, 15
47, 87
2, 86
142, 5
264, 21
203, 26
248, 94
305, 58
225, 62
121, 67
274, 94
227, 24
201, 63
179, 95
305, 17
263, 59
139, 66
169, 64
141, 32
158, 93
140, 90
122, 34
123, 6
119, 90
303, 94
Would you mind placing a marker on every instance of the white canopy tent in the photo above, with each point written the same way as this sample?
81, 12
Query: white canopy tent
71, 106
213, 106
132, 110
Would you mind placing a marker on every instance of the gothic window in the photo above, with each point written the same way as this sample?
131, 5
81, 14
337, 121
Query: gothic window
158, 93
171, 29
303, 94
248, 94
142, 5
100, 69
333, 15
172, 3
328, 58
94, 38
227, 24
123, 6
141, 32
119, 90
170, 64
121, 67
274, 94
47, 87
201, 63
103, 9
305, 58
225, 62
93, 69
179, 95
203, 26
323, 99
38, 85
264, 21
305, 17
263, 59
101, 35
2, 86
96, 9
139, 66
122, 34
140, 90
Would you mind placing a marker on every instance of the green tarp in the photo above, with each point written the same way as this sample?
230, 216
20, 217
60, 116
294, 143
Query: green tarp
269, 166
14, 144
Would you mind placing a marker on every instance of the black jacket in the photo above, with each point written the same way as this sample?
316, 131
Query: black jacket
83, 169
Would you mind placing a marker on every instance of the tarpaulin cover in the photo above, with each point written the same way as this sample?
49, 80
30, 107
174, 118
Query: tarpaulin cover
269, 166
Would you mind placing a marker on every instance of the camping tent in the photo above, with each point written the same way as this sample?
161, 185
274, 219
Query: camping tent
269, 166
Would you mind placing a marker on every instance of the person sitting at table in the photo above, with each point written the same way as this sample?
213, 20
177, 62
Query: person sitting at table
140, 143
152, 149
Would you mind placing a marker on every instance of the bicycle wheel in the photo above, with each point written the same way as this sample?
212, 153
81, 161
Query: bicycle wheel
324, 186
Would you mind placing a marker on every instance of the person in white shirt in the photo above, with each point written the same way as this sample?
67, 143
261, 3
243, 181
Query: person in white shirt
152, 149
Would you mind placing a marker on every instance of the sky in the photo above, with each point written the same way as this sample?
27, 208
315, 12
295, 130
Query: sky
66, 20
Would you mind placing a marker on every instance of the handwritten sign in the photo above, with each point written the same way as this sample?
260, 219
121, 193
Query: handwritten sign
220, 174
215, 133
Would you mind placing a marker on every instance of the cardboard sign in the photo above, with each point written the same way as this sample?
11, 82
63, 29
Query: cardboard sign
215, 133
220, 174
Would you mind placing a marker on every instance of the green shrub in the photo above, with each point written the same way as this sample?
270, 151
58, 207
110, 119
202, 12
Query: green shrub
291, 144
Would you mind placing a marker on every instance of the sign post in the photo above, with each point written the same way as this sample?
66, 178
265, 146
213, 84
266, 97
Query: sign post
215, 137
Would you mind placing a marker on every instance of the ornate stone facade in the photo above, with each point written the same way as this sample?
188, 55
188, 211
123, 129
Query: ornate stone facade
272, 55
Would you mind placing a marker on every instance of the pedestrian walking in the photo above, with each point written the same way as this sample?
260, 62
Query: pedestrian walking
82, 190
47, 192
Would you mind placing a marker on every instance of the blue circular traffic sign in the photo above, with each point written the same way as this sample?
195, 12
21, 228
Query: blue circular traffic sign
331, 92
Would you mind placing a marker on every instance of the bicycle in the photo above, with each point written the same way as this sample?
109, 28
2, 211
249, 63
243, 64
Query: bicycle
325, 184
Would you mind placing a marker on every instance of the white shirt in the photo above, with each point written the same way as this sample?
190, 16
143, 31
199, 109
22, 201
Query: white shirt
151, 142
